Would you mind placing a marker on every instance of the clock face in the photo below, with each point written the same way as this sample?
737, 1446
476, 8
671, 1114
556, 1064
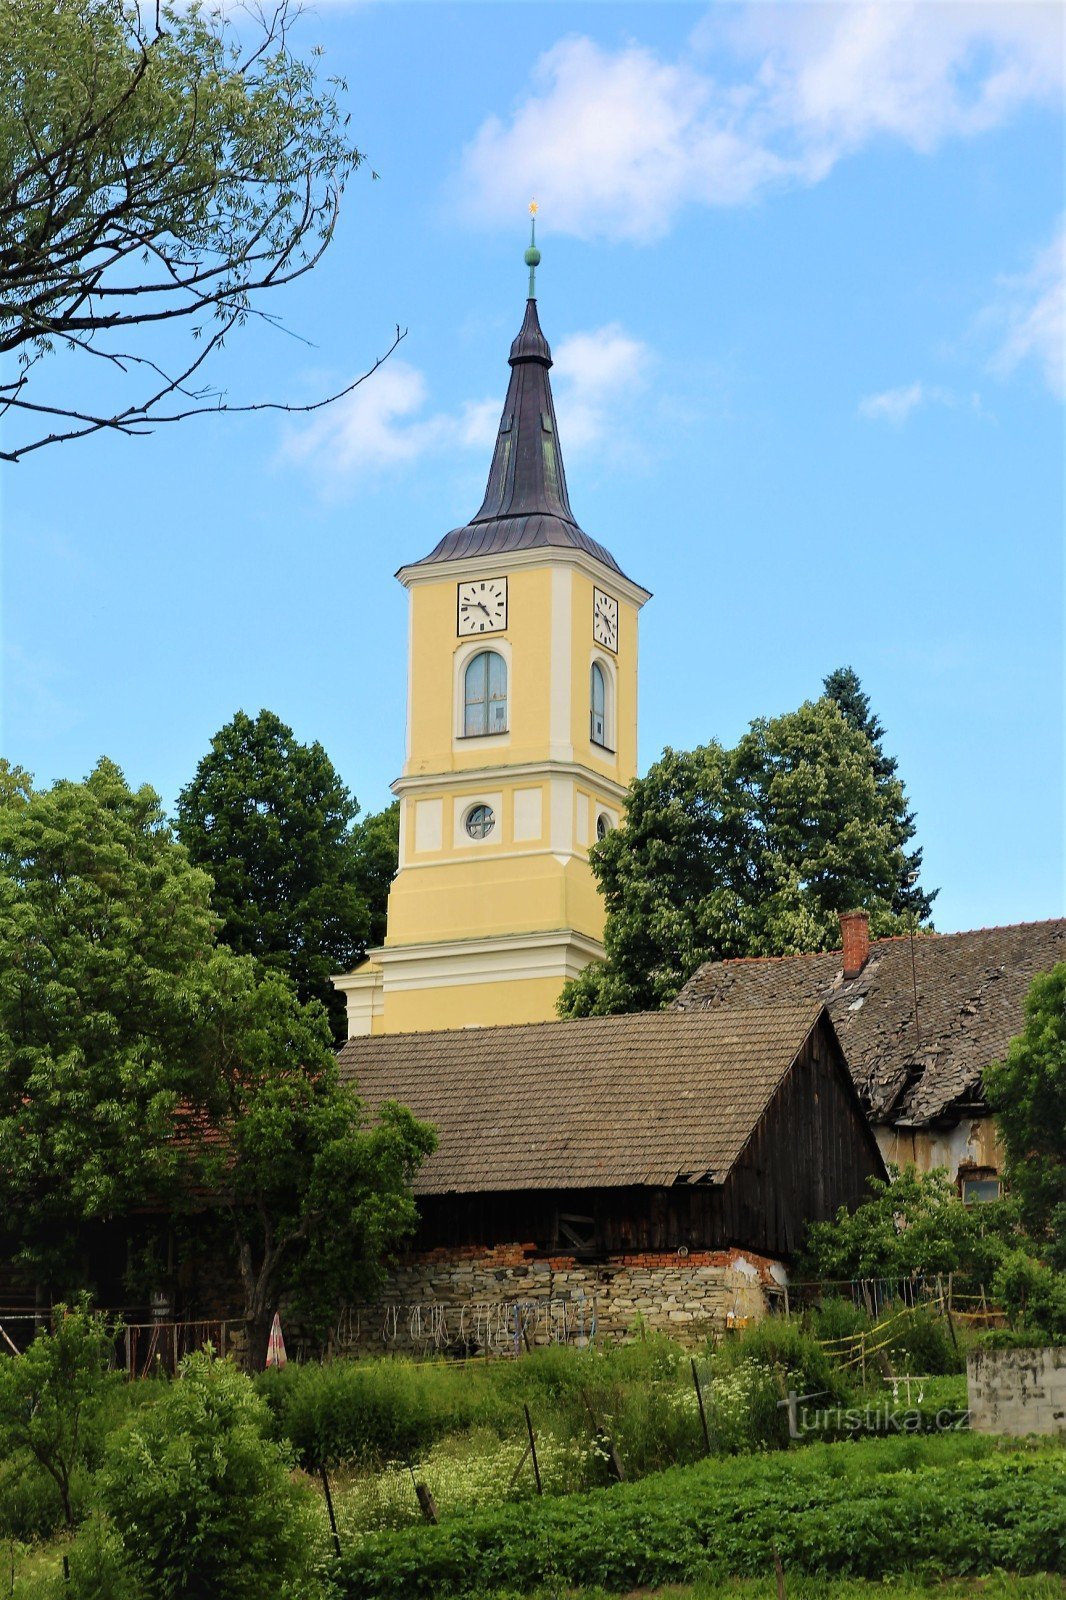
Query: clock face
605, 619
482, 606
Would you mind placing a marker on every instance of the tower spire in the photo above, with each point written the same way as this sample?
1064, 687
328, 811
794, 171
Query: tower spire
532, 255
526, 504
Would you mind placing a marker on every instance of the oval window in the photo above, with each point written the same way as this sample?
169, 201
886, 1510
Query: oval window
480, 822
603, 825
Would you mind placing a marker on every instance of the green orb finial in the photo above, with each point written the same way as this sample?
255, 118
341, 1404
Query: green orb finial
532, 255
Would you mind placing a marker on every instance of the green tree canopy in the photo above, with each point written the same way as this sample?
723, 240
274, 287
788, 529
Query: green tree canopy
156, 173
108, 970
915, 1224
309, 1195
295, 884
752, 851
1027, 1092
143, 1063
843, 687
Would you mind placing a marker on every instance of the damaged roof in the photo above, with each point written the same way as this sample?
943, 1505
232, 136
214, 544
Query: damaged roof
912, 1065
601, 1102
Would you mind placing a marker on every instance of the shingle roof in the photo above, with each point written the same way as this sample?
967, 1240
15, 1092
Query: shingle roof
526, 504
971, 994
651, 1099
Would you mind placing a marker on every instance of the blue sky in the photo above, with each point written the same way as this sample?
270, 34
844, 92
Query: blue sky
803, 280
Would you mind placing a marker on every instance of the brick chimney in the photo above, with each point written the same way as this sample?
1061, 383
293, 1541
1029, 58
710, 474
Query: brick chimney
855, 933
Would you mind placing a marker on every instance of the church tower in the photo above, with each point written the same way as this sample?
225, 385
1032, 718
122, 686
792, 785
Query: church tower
521, 741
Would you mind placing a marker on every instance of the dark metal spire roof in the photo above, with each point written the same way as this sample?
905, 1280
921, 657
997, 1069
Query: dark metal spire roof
526, 505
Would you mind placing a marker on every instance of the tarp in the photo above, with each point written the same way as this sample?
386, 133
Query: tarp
276, 1356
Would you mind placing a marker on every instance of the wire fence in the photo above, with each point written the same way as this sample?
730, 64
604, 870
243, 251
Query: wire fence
472, 1327
141, 1348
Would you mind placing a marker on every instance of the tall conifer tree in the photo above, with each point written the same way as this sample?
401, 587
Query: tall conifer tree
298, 883
843, 687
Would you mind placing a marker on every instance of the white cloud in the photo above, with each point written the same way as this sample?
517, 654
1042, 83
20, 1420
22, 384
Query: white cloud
615, 143
592, 371
1031, 314
896, 405
381, 426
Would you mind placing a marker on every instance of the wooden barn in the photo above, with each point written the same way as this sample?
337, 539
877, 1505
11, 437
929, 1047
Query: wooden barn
664, 1144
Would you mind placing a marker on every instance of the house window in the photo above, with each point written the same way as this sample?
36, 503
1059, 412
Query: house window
598, 699
485, 695
976, 1191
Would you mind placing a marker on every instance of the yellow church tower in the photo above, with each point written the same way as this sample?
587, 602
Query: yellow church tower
521, 741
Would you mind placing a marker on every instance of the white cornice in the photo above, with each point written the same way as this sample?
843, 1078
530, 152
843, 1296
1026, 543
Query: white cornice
558, 953
514, 560
503, 773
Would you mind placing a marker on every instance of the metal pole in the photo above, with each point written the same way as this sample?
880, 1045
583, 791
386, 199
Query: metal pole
329, 1509
703, 1414
533, 1449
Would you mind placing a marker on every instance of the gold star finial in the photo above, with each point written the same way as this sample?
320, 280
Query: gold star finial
533, 208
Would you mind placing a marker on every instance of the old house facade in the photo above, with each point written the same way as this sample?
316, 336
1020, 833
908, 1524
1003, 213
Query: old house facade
659, 1166
918, 1020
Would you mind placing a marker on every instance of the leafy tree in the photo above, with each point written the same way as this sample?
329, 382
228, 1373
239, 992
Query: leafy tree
309, 1196
845, 690
752, 851
1027, 1092
16, 784
205, 1502
914, 1224
52, 1396
154, 175
272, 823
376, 847
107, 971
141, 1062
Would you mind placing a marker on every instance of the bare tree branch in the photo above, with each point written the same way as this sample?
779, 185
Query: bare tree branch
149, 178
143, 418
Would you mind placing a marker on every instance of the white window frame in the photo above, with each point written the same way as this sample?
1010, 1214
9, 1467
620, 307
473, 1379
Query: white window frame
460, 661
606, 666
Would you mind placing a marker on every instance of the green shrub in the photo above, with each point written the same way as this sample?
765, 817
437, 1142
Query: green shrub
204, 1502
30, 1506
1032, 1295
785, 1347
370, 1411
837, 1319
919, 1340
942, 1507
100, 1568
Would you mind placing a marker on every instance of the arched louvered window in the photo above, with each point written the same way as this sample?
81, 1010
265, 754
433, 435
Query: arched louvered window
485, 694
598, 705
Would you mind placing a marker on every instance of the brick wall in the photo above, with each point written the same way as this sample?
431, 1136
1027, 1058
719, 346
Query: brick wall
1017, 1391
466, 1296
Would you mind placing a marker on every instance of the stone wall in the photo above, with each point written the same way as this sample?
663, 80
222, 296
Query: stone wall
1017, 1391
509, 1297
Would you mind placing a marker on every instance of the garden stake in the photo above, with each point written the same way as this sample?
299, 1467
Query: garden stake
703, 1414
533, 1449
779, 1573
329, 1508
427, 1502
517, 1470
601, 1433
